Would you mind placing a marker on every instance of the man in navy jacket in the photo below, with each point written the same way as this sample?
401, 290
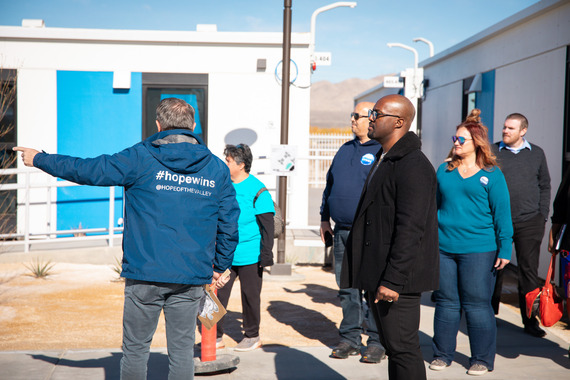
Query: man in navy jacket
180, 230
345, 179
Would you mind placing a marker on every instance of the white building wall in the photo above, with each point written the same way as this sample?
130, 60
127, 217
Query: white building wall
238, 95
540, 97
495, 47
528, 53
441, 113
374, 94
36, 123
251, 103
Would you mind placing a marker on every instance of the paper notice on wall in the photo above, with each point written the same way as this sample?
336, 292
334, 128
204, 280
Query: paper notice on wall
283, 158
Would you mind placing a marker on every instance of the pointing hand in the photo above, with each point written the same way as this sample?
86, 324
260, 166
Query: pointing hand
28, 155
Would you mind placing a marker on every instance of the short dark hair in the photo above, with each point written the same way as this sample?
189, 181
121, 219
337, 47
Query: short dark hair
241, 154
174, 113
520, 117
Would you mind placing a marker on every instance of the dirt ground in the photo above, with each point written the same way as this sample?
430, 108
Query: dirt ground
80, 306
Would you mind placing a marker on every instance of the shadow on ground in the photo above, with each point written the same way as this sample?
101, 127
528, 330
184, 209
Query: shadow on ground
319, 294
303, 364
307, 322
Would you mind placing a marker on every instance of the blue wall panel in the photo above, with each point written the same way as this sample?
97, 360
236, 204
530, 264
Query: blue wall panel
94, 119
486, 101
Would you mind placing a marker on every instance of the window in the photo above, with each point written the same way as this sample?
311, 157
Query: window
7, 142
479, 92
193, 88
469, 96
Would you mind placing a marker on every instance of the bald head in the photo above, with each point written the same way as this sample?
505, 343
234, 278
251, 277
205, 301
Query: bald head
364, 107
360, 125
401, 106
391, 120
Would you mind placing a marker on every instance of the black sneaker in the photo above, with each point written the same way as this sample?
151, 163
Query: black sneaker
343, 350
373, 354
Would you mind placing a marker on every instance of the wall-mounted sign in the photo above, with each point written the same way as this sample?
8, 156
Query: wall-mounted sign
283, 159
323, 58
393, 82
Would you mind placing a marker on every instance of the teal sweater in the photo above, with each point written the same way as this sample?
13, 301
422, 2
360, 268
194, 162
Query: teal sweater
474, 213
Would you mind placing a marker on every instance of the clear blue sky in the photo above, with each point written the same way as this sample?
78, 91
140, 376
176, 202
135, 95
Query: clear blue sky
356, 37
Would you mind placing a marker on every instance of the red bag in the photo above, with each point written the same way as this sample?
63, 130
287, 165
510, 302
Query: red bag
549, 306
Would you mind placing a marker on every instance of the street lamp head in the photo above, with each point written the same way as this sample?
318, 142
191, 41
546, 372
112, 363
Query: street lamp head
426, 41
397, 44
350, 4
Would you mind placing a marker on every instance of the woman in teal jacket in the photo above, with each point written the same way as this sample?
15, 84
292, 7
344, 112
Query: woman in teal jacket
475, 240
255, 248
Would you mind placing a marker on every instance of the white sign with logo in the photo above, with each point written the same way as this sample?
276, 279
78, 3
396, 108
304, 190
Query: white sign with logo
323, 59
283, 159
393, 82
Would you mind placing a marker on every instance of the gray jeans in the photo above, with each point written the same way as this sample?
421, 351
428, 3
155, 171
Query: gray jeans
143, 303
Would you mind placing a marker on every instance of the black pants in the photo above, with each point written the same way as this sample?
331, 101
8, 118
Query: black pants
398, 326
251, 279
527, 238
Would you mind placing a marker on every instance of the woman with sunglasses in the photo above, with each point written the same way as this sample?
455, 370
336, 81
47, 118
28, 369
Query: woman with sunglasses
475, 240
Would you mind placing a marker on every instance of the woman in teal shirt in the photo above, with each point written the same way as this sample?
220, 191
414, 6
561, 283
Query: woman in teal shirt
255, 248
475, 240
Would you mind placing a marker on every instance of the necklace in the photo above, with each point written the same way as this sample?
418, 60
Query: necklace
467, 168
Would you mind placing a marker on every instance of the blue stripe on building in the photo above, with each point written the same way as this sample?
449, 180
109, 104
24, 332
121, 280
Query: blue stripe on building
94, 119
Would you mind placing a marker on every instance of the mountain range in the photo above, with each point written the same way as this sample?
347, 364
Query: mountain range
332, 103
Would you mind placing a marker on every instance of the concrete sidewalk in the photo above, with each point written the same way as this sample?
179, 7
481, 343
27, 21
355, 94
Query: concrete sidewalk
519, 356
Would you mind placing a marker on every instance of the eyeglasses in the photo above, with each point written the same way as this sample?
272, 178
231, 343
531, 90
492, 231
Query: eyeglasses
461, 139
356, 116
374, 114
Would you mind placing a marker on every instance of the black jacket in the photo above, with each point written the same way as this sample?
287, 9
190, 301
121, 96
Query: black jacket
561, 205
394, 237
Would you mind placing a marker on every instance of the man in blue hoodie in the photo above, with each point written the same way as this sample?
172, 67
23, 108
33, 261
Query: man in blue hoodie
345, 180
180, 230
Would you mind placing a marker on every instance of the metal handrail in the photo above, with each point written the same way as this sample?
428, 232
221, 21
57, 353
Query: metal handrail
27, 235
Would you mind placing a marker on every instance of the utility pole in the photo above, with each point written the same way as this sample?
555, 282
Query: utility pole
280, 268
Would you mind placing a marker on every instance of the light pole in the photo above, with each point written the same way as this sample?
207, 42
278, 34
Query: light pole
350, 4
412, 90
397, 44
281, 268
415, 85
429, 43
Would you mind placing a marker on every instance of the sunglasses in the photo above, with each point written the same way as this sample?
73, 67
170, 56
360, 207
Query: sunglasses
374, 114
356, 116
461, 139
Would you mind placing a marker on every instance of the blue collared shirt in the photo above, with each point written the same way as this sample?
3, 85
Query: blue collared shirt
515, 150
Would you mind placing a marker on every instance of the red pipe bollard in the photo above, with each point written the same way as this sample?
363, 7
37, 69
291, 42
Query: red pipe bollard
208, 346
208, 362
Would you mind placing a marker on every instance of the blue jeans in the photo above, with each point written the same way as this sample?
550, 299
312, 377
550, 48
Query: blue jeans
143, 303
350, 329
466, 283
